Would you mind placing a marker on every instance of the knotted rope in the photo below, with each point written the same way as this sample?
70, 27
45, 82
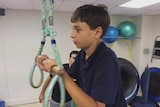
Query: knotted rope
49, 32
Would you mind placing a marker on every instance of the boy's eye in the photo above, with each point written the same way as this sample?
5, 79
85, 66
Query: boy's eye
78, 29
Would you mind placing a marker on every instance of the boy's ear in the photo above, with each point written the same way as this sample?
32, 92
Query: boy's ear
98, 32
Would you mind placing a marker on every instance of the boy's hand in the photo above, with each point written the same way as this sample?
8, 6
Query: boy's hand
45, 63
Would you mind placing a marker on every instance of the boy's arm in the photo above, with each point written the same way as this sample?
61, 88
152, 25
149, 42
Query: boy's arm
80, 97
41, 96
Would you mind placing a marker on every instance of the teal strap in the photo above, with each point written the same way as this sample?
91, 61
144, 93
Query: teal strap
34, 66
48, 32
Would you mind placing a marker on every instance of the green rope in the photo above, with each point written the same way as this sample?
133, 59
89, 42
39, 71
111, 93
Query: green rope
48, 31
34, 66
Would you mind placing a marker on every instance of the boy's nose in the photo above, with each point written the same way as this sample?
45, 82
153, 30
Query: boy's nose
72, 34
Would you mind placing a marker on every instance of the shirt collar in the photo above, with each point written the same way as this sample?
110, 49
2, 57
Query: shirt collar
93, 56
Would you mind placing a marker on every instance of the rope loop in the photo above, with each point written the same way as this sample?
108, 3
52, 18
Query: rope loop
49, 32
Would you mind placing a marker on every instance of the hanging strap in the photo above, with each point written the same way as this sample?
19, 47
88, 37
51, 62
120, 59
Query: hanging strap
49, 32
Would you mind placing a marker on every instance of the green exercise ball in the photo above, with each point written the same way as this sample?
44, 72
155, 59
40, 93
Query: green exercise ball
126, 29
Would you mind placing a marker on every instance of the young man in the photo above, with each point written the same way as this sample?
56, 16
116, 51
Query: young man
55, 101
96, 67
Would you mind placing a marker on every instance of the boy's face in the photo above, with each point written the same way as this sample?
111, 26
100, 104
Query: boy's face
83, 36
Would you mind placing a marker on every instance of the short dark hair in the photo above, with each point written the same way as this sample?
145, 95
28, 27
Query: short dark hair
94, 16
73, 52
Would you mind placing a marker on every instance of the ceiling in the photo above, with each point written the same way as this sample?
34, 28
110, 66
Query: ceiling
71, 5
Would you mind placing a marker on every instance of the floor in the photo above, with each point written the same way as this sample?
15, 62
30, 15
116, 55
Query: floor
29, 105
32, 105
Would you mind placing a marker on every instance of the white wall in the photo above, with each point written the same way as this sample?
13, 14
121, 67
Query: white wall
155, 32
149, 31
3, 73
135, 43
20, 36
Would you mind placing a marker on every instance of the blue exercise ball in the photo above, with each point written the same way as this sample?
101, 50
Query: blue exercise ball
111, 35
126, 29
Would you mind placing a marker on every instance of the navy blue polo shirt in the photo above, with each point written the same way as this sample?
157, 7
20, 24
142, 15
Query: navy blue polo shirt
99, 76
